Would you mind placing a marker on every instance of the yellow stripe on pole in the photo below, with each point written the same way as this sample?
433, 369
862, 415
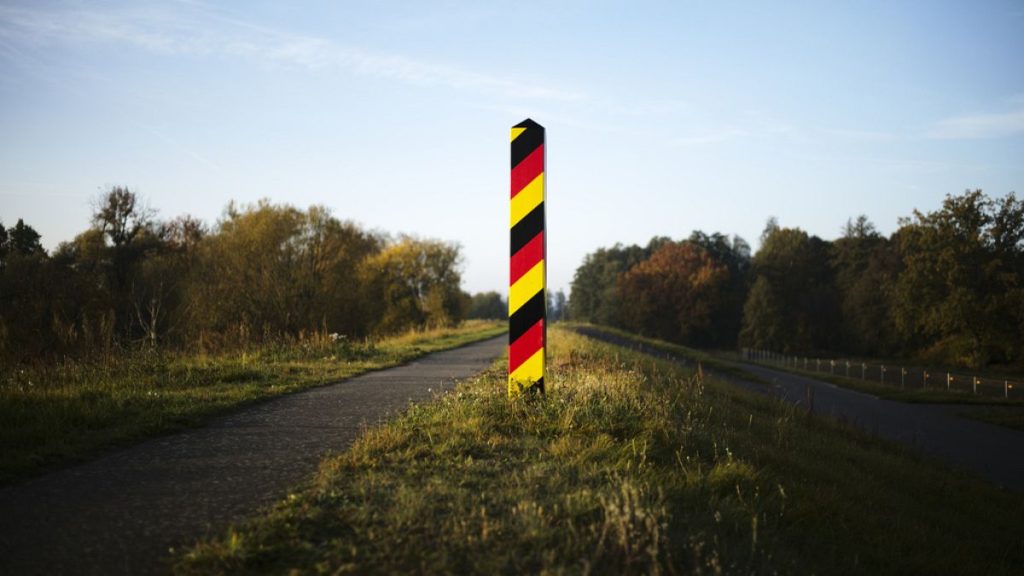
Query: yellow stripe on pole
527, 199
529, 371
526, 287
516, 132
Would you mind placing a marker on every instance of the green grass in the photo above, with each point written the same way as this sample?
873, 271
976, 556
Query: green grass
1006, 416
628, 465
1008, 413
730, 363
57, 414
933, 395
699, 358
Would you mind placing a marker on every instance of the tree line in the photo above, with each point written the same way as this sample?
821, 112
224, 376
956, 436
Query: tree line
262, 272
494, 306
946, 287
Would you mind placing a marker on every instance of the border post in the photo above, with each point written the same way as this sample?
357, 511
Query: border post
527, 294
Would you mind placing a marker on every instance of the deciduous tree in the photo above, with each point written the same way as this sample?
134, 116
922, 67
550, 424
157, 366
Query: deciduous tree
675, 294
795, 269
488, 305
960, 286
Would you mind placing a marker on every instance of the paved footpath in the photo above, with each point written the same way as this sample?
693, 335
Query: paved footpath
994, 452
123, 512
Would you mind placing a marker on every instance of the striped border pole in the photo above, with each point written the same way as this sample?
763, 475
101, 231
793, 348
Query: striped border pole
527, 298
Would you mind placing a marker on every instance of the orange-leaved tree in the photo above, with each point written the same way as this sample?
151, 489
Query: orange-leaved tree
675, 294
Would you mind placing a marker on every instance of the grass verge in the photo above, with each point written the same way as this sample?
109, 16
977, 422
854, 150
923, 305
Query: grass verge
56, 414
935, 395
1006, 416
730, 364
629, 464
1001, 412
697, 357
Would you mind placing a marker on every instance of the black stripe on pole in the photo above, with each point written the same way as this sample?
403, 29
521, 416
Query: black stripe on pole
527, 228
527, 315
526, 142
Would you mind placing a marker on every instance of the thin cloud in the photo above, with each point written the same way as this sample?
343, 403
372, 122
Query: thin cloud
864, 135
708, 138
160, 135
979, 126
164, 33
648, 108
751, 125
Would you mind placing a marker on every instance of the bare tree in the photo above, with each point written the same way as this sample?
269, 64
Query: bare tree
119, 215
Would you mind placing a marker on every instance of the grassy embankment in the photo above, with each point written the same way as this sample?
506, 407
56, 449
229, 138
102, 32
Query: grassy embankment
56, 414
629, 465
1008, 413
714, 360
1007, 416
933, 395
994, 410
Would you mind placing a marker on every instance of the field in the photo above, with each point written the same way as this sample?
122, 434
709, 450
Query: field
58, 414
628, 465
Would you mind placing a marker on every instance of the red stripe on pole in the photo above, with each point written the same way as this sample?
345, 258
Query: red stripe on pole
526, 346
526, 258
527, 170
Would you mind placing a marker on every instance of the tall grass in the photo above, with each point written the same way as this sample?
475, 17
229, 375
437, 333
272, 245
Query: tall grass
53, 414
628, 465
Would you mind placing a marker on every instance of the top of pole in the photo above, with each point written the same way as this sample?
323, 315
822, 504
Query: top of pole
528, 123
526, 137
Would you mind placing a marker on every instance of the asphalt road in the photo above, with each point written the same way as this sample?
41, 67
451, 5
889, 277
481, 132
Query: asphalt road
992, 452
124, 512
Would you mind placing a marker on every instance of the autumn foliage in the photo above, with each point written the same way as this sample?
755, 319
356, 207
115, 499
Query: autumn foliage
263, 272
947, 287
674, 294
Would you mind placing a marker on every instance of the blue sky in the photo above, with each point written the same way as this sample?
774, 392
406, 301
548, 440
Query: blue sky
662, 118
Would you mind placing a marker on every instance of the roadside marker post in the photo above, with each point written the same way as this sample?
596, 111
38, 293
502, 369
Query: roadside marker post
527, 295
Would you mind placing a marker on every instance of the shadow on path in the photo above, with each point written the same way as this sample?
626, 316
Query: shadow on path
123, 512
